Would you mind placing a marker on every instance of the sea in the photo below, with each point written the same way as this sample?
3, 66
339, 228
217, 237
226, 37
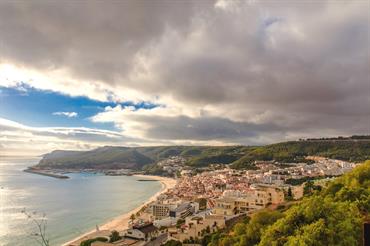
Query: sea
66, 207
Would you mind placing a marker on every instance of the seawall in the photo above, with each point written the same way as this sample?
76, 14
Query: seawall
41, 172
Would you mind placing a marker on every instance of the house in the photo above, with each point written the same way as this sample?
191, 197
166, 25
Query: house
142, 232
198, 226
225, 206
166, 222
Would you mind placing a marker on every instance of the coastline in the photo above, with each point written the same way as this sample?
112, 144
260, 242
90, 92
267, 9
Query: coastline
120, 222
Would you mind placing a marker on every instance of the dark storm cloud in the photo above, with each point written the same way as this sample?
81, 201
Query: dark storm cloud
259, 67
205, 128
329, 64
94, 39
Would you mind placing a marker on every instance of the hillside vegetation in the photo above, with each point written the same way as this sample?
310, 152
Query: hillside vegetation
333, 216
240, 157
295, 151
101, 158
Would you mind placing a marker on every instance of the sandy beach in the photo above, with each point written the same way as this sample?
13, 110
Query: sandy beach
120, 223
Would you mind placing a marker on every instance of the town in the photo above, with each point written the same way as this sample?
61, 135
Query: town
204, 202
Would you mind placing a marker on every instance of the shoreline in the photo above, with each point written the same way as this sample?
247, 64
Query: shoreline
120, 222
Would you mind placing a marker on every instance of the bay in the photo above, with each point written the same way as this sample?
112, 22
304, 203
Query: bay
72, 206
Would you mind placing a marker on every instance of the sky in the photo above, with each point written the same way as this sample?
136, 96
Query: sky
82, 74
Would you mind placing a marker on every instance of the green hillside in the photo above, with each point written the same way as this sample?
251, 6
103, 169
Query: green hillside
295, 151
240, 157
222, 155
333, 216
101, 158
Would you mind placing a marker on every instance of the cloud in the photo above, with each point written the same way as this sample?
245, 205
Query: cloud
168, 125
68, 114
224, 71
17, 138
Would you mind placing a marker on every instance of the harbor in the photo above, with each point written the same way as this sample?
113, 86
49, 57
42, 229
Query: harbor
45, 173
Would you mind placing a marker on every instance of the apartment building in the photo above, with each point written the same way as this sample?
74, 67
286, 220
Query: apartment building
161, 210
259, 197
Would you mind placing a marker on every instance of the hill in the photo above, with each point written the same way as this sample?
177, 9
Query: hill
295, 151
100, 158
240, 157
60, 154
137, 157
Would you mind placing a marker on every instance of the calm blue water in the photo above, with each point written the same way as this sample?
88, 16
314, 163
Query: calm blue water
72, 206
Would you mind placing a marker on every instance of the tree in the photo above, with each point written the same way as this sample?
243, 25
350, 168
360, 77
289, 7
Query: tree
114, 236
308, 188
312, 234
259, 223
132, 217
239, 229
178, 174
208, 229
227, 241
202, 203
180, 222
206, 240
289, 194
41, 224
172, 243
316, 221
88, 242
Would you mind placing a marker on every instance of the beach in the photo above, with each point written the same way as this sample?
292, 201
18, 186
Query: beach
120, 223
